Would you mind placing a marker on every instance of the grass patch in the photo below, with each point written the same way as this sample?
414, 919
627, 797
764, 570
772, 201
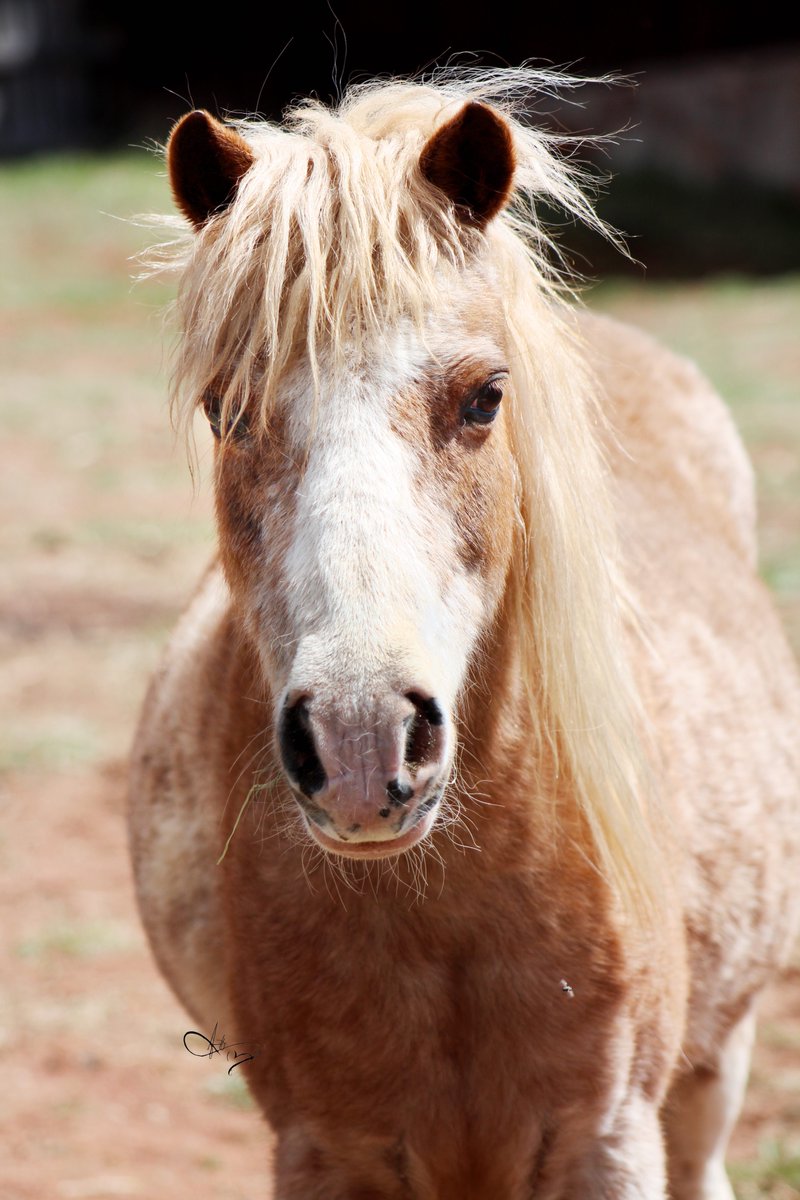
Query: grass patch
60, 742
76, 939
147, 539
65, 230
775, 1174
230, 1091
780, 1036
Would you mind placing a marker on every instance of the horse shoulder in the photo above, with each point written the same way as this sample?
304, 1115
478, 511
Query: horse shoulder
174, 802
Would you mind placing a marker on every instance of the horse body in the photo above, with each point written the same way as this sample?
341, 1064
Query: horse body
446, 990
408, 1045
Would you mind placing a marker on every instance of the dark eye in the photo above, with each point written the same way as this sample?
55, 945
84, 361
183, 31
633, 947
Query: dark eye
237, 427
484, 404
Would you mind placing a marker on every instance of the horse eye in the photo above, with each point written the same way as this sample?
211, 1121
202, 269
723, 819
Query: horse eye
484, 403
212, 406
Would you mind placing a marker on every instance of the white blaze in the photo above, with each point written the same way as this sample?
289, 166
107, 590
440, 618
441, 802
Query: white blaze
374, 584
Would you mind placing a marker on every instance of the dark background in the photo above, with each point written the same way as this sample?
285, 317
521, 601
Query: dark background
100, 72
707, 174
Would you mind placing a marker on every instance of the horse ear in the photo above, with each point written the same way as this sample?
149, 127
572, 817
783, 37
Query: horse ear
471, 159
205, 160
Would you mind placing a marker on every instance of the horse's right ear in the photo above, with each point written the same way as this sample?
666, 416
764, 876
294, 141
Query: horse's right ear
205, 160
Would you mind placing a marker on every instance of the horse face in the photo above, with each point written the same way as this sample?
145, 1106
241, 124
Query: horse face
366, 537
367, 534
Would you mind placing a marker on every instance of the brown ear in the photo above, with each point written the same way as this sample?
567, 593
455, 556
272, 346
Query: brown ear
471, 159
205, 160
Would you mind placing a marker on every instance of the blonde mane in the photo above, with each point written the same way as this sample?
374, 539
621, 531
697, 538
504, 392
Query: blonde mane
334, 235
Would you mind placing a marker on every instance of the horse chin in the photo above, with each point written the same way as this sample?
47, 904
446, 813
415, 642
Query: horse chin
384, 848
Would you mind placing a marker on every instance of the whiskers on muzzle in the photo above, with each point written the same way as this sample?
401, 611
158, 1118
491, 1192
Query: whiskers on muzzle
370, 782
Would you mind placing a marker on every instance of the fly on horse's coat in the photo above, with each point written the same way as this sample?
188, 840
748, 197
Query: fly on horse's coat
466, 796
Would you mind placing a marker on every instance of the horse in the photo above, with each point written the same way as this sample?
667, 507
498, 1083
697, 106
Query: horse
465, 799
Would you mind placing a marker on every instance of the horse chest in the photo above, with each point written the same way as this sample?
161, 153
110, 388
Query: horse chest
391, 1021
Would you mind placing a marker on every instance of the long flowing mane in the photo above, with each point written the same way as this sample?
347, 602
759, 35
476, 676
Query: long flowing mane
334, 235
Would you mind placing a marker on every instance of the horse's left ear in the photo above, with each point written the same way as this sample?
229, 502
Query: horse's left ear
471, 159
206, 160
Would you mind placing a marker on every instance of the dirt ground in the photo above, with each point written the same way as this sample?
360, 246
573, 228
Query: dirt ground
102, 538
99, 1096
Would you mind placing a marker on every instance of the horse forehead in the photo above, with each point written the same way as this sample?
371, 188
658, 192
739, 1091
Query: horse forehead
364, 396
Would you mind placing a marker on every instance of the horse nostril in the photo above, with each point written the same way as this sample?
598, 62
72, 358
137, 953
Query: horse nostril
299, 754
427, 707
423, 734
398, 793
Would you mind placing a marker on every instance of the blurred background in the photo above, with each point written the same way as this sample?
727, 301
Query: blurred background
104, 533
712, 146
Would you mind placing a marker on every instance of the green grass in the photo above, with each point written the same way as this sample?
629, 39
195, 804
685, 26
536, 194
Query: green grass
54, 742
228, 1090
775, 1174
75, 939
65, 226
95, 494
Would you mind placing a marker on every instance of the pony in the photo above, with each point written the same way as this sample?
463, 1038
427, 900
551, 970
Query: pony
465, 800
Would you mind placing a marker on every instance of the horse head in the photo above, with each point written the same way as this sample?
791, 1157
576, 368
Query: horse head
366, 486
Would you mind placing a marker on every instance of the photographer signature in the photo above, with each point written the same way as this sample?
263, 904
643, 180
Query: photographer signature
207, 1047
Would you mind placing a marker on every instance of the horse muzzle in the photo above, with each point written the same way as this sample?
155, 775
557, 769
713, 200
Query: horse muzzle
368, 779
